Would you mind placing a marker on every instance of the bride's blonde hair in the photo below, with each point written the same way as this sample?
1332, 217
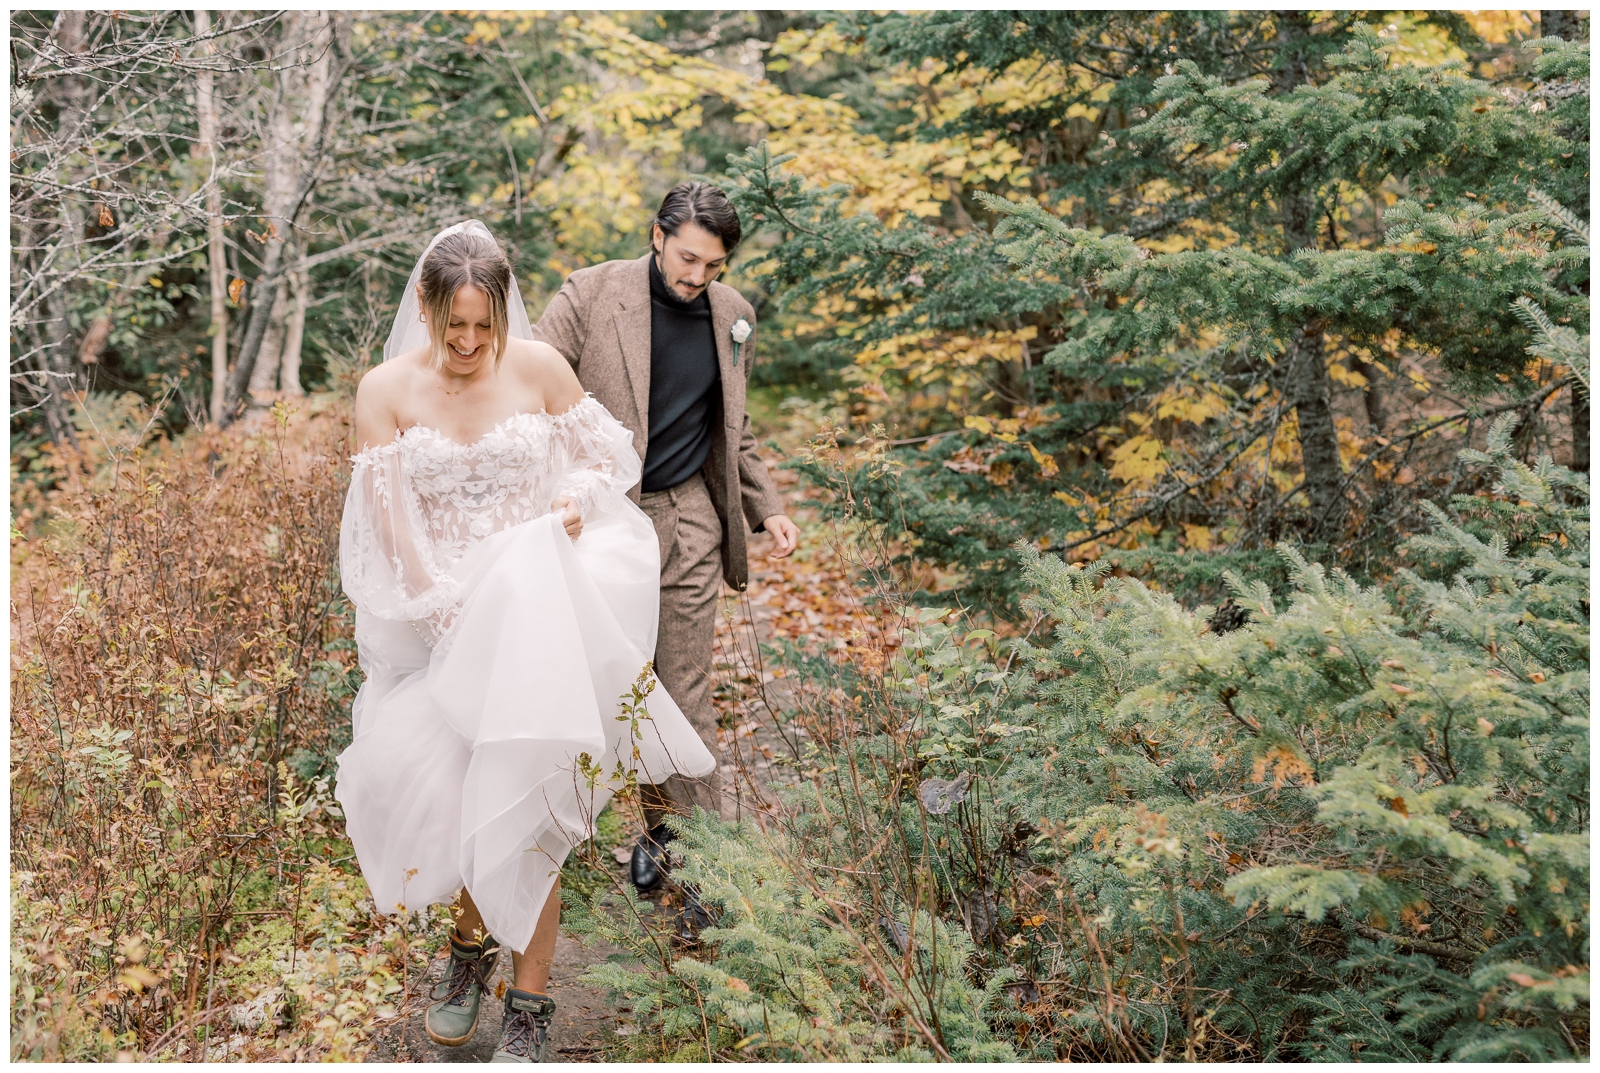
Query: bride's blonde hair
457, 261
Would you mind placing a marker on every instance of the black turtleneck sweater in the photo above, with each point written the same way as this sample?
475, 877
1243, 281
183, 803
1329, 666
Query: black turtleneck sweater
684, 383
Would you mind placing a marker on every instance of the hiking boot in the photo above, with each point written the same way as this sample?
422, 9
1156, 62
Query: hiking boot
453, 1019
649, 865
525, 1032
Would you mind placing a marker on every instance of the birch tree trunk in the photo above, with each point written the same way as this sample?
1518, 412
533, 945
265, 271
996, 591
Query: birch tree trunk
282, 176
216, 252
316, 94
58, 374
295, 171
264, 380
294, 335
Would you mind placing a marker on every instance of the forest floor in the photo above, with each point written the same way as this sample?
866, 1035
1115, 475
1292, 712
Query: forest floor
800, 599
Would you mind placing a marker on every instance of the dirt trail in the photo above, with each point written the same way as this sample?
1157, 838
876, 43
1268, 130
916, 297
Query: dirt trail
585, 1022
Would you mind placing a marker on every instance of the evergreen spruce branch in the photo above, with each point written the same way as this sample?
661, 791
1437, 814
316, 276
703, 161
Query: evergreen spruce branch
1553, 342
1561, 59
764, 165
1563, 217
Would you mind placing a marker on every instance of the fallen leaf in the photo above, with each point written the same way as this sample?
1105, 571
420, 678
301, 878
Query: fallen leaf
939, 796
138, 978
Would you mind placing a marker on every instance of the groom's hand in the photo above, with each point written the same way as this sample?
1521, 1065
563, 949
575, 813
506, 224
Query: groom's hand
571, 520
785, 535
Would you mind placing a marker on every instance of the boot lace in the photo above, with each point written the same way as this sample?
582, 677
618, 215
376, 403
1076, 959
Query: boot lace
525, 1034
463, 975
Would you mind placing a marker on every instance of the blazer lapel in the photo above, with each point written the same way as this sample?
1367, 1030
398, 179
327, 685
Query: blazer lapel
632, 319
723, 315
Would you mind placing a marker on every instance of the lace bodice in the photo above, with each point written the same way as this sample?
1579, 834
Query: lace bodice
416, 505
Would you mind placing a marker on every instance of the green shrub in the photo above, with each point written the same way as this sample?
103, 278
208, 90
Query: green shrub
1352, 823
1378, 796
788, 976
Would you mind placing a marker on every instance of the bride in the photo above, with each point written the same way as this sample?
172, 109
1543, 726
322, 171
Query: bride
506, 595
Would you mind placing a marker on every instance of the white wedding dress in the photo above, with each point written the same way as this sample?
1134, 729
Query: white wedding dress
467, 760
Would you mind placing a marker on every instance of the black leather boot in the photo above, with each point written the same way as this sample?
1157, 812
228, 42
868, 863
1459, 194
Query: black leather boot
694, 915
648, 868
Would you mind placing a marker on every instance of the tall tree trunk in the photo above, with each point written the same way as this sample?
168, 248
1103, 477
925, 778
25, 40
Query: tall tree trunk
1319, 438
283, 173
1568, 25
216, 252
56, 367
1373, 392
295, 334
1580, 420
1308, 385
264, 381
271, 278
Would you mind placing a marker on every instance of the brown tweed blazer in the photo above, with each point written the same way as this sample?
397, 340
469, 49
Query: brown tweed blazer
600, 321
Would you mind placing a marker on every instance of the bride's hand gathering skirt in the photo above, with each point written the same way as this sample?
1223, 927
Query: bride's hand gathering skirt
466, 765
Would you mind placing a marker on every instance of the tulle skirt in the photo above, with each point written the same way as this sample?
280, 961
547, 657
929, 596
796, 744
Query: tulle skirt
483, 761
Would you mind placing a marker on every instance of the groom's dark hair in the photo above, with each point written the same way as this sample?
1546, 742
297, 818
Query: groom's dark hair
704, 206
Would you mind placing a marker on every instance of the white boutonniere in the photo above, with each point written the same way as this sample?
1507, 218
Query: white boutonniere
740, 331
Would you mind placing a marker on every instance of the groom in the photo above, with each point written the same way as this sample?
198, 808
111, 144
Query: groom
667, 350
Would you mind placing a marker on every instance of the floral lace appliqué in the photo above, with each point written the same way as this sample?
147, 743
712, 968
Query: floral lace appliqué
418, 504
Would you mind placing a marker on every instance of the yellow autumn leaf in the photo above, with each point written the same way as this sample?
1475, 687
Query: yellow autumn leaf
1138, 461
1348, 377
1047, 464
137, 978
1197, 537
982, 424
1191, 404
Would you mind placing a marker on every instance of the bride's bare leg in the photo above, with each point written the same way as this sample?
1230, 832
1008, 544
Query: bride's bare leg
531, 968
469, 922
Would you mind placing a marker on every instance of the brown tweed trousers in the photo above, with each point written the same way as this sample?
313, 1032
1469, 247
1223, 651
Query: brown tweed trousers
600, 321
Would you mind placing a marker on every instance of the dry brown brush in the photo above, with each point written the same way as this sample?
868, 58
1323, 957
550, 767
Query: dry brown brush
177, 635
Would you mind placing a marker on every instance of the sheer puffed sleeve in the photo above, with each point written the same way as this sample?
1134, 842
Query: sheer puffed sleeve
594, 456
388, 566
